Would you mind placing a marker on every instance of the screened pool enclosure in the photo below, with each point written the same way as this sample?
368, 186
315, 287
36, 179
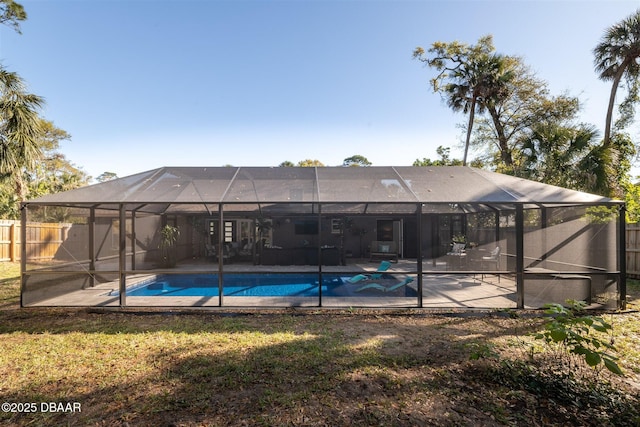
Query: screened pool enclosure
422, 237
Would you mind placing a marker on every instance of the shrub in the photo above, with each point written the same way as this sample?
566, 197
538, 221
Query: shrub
580, 334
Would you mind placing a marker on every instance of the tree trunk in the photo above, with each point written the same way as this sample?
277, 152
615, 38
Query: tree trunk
612, 98
503, 143
469, 127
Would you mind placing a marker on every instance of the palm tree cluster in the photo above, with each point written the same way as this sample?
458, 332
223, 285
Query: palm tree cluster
471, 78
526, 131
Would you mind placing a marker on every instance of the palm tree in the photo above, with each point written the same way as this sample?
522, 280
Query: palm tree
552, 151
474, 76
616, 56
20, 129
463, 96
483, 82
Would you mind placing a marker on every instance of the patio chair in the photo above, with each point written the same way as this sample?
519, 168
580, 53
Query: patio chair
384, 266
493, 259
386, 288
213, 252
383, 250
456, 256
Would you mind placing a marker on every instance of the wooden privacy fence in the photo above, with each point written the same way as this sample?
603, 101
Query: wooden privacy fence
44, 239
633, 250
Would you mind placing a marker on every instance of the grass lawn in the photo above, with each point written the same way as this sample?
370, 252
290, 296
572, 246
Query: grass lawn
84, 367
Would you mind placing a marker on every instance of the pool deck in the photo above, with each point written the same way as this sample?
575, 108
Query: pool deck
441, 290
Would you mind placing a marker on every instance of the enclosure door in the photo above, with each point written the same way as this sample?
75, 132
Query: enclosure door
246, 232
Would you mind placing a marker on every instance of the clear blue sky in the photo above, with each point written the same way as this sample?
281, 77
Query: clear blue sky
141, 84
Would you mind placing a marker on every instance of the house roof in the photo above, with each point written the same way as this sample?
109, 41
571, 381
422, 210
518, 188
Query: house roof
157, 190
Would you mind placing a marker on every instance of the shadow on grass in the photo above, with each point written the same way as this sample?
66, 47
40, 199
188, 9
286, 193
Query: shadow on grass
311, 379
251, 369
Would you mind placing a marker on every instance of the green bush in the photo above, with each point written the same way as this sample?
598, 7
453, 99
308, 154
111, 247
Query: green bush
580, 334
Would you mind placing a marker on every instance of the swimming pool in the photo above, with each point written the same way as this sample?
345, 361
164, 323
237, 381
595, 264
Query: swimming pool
258, 285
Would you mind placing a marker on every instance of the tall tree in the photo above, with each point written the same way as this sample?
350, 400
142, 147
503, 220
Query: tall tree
522, 102
616, 57
20, 129
469, 76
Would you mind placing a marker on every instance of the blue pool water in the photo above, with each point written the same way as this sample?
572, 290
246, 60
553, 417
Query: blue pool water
301, 285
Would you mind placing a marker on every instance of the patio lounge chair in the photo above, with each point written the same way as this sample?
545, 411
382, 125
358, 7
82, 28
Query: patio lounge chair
385, 288
384, 266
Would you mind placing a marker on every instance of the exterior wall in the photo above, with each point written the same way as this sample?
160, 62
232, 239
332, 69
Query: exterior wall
355, 242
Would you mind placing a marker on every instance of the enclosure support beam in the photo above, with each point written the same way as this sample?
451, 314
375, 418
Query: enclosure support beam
497, 223
544, 223
622, 255
320, 256
419, 251
435, 240
23, 253
92, 246
122, 255
520, 255
220, 253
133, 239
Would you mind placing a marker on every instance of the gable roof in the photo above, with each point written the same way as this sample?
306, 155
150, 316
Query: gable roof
272, 185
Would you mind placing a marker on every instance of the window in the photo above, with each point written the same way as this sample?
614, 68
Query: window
385, 230
336, 226
228, 231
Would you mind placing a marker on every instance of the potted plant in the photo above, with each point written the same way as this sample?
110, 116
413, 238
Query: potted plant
168, 240
459, 238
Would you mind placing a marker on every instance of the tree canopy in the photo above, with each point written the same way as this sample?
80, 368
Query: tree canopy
30, 164
470, 77
518, 126
356, 160
11, 14
445, 159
